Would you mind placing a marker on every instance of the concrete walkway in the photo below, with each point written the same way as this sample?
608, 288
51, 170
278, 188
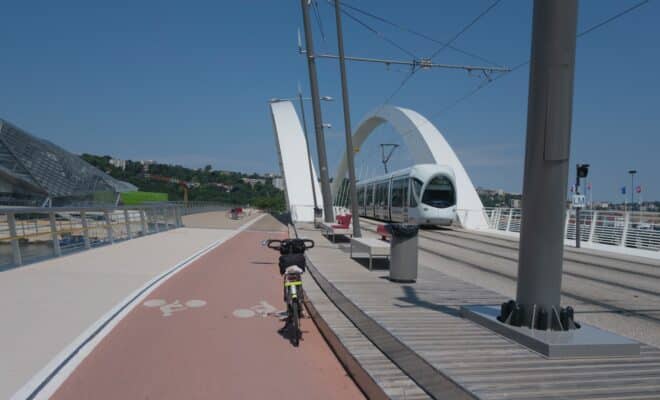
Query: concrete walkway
47, 307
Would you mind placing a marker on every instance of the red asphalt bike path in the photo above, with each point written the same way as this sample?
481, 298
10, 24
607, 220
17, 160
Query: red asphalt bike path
217, 346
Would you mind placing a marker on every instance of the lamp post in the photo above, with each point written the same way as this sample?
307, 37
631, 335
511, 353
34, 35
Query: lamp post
632, 173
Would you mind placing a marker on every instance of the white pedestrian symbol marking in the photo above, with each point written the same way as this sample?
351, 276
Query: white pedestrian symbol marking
176, 305
263, 308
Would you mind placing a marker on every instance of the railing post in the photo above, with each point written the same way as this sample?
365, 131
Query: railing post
83, 218
567, 222
15, 246
108, 227
179, 222
626, 222
57, 251
172, 209
143, 222
127, 220
508, 222
155, 219
592, 231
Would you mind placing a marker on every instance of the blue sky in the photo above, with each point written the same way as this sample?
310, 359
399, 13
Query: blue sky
189, 83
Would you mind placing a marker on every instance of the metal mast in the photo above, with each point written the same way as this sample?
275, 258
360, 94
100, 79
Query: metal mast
549, 116
318, 120
350, 152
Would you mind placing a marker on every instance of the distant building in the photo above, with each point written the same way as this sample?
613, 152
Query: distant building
253, 181
516, 203
146, 164
278, 182
115, 162
37, 172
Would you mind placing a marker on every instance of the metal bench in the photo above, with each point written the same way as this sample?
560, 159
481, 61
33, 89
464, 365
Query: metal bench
373, 247
332, 229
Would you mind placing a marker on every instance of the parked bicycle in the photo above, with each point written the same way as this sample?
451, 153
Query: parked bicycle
292, 265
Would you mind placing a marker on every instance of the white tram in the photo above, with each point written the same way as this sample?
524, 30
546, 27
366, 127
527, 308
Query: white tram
423, 194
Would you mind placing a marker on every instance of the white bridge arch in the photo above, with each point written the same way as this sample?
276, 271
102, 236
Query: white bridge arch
427, 146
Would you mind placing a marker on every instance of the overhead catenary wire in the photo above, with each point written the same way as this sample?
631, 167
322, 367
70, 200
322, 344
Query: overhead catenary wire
465, 28
518, 66
444, 46
417, 33
378, 33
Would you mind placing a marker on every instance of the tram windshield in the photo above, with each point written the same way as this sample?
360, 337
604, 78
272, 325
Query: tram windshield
439, 193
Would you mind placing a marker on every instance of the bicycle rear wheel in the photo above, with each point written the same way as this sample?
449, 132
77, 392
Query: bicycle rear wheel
295, 316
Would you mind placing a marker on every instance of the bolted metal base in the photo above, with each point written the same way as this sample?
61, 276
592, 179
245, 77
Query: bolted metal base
537, 317
588, 341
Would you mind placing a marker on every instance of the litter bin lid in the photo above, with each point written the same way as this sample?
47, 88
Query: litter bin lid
403, 230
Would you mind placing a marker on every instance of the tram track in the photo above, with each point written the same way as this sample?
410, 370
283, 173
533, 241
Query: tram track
565, 271
505, 273
569, 254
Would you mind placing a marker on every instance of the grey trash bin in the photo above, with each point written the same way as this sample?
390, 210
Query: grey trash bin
403, 252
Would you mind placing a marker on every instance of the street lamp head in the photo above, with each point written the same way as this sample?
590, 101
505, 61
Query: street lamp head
632, 171
327, 98
327, 126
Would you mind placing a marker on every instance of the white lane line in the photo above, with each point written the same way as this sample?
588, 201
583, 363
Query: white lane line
45, 382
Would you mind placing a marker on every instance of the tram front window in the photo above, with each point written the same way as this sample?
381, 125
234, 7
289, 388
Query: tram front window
439, 193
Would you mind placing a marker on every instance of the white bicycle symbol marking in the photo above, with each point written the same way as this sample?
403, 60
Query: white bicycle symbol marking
176, 305
263, 308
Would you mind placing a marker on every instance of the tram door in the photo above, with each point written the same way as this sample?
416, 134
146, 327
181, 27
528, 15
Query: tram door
399, 209
382, 200
369, 212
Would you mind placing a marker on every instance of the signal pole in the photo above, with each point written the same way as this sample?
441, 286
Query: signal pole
318, 119
350, 152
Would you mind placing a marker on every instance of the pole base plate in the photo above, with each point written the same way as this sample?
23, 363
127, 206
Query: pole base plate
588, 341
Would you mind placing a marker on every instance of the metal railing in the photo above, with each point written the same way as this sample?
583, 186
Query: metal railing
31, 234
633, 229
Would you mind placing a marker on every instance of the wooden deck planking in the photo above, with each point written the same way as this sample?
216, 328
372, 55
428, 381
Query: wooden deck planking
424, 316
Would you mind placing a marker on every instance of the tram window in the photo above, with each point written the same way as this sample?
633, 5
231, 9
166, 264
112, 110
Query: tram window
439, 193
417, 187
404, 191
397, 193
361, 196
370, 195
383, 193
396, 198
413, 198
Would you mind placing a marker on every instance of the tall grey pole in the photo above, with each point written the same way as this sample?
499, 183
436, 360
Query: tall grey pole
318, 119
577, 209
350, 153
309, 155
549, 115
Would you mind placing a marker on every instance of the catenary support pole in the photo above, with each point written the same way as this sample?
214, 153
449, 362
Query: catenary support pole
350, 152
318, 118
309, 155
549, 115
577, 209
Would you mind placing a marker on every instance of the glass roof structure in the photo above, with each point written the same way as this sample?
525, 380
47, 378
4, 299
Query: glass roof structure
40, 167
